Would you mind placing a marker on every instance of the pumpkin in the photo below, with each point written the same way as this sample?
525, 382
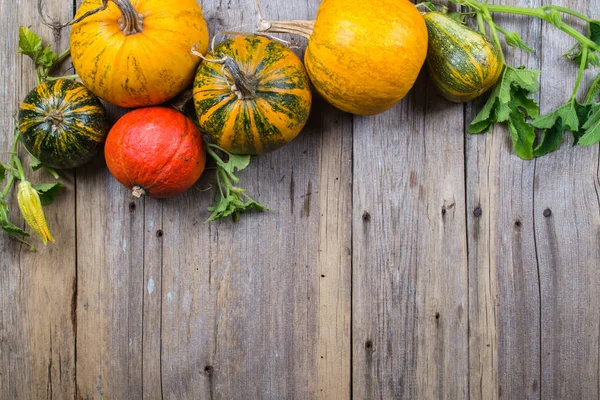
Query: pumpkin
138, 54
252, 95
155, 151
362, 56
62, 123
462, 63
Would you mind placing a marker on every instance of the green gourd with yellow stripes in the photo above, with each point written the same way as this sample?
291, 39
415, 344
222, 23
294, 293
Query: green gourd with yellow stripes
62, 123
462, 63
252, 95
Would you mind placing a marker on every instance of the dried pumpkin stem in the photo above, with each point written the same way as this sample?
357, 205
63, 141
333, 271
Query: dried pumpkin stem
244, 86
138, 191
131, 21
302, 28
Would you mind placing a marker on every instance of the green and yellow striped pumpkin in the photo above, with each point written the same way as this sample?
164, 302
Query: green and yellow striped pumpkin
252, 96
62, 123
462, 63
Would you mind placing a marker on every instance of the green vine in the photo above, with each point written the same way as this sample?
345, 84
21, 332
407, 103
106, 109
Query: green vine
510, 102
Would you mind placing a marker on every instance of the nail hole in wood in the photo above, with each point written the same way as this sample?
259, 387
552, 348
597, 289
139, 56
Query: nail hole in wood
322, 276
437, 315
159, 233
477, 212
132, 206
443, 211
366, 216
518, 223
368, 344
547, 212
208, 369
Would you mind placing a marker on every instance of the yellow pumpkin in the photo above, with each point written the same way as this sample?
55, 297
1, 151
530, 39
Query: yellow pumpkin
137, 53
362, 56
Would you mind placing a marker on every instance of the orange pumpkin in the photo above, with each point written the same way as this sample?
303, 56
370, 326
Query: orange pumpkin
137, 53
155, 151
362, 56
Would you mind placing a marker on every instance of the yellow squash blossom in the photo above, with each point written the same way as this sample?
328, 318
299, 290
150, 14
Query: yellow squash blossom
31, 208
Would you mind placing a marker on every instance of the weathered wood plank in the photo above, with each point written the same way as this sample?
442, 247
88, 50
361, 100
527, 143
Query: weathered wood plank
261, 309
567, 227
111, 244
503, 276
37, 325
409, 251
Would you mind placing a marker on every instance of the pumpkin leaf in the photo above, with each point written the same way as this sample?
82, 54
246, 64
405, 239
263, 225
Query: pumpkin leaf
36, 164
591, 128
30, 44
569, 117
48, 192
2, 172
47, 57
510, 103
8, 226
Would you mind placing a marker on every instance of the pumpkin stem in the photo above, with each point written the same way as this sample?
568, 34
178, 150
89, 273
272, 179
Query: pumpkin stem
131, 21
138, 191
54, 117
296, 27
244, 86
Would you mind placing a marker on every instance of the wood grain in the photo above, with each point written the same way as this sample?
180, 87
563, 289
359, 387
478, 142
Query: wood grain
567, 227
401, 258
504, 299
409, 251
37, 324
261, 309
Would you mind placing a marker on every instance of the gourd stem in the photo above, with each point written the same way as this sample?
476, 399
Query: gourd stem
244, 86
132, 21
138, 191
582, 68
297, 27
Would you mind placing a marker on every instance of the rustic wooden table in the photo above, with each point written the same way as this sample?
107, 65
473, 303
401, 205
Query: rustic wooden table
402, 258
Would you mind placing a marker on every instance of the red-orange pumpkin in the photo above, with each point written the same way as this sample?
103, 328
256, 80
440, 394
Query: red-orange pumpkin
156, 151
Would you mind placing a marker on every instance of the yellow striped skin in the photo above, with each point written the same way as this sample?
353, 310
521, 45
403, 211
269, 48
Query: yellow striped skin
461, 62
140, 69
364, 56
276, 114
62, 123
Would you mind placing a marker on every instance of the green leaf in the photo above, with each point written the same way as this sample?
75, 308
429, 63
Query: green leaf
48, 192
527, 105
591, 128
522, 134
2, 172
551, 140
47, 58
36, 164
8, 226
30, 44
515, 40
567, 114
510, 102
237, 163
568, 117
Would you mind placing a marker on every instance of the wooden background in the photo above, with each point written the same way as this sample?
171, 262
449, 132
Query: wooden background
402, 258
